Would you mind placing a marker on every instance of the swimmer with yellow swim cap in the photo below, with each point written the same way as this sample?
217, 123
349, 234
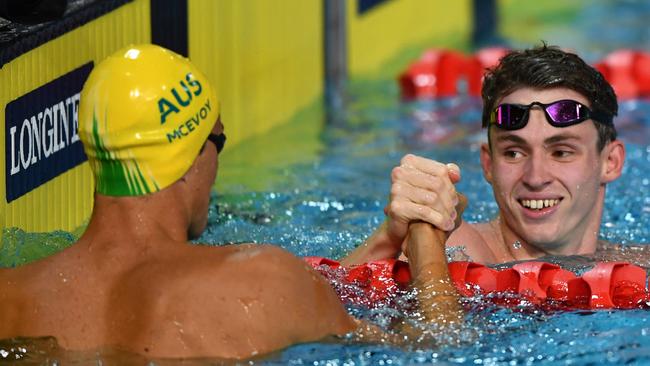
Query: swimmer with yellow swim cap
149, 122
150, 125
146, 114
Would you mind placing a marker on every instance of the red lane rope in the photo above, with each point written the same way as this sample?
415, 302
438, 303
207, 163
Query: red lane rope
608, 285
439, 72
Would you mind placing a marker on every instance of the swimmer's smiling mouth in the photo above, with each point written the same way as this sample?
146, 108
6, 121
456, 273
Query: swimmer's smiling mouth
539, 204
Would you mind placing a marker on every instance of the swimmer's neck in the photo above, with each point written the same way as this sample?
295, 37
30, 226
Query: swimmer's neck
142, 220
512, 247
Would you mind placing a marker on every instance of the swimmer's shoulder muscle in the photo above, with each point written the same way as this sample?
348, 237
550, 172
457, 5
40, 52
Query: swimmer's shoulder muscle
228, 302
475, 239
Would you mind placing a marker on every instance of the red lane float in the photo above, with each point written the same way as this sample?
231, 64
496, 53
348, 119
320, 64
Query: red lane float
641, 73
435, 74
617, 68
438, 72
607, 285
478, 64
616, 285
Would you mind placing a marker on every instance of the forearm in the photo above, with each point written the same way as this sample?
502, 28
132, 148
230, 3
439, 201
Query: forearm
436, 294
438, 300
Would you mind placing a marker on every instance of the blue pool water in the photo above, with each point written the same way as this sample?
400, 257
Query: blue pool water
331, 197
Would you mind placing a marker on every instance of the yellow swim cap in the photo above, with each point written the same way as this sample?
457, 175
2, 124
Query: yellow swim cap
144, 114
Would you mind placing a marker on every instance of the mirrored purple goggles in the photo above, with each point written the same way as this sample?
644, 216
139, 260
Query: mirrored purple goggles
561, 113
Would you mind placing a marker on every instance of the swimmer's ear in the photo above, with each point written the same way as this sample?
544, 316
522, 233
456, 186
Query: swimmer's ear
613, 158
486, 162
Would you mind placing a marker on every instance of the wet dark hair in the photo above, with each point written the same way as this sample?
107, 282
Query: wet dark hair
546, 67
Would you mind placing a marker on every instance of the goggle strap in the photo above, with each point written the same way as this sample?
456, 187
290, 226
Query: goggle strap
603, 118
218, 140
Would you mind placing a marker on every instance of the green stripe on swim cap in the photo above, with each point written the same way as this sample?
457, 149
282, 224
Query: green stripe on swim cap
114, 177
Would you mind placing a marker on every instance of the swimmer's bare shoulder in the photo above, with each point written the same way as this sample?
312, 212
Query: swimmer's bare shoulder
229, 302
636, 253
477, 241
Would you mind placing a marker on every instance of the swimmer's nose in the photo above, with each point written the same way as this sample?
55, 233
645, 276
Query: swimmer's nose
536, 173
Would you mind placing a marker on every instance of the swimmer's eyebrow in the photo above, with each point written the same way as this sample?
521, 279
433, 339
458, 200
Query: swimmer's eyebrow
511, 138
561, 138
548, 141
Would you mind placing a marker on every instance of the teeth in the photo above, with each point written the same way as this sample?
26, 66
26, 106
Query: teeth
539, 204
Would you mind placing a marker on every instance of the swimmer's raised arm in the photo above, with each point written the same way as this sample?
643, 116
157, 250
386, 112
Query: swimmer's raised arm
436, 295
425, 246
421, 190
